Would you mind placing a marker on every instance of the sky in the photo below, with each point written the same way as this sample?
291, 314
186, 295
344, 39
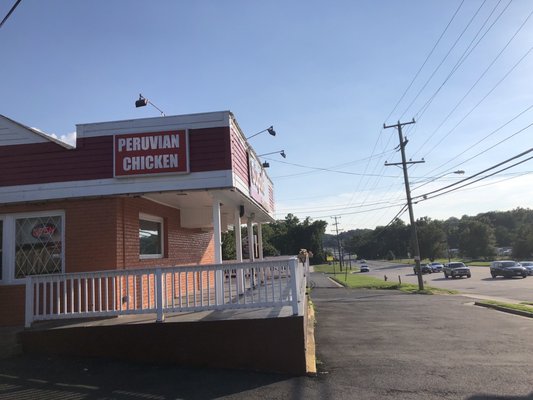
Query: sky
326, 74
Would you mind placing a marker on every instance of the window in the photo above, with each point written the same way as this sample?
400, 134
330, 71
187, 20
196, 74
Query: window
38, 246
31, 244
150, 236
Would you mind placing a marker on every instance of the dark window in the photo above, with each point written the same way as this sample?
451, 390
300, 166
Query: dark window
150, 238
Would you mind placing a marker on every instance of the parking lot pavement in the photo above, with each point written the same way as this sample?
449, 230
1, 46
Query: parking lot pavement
481, 283
386, 344
370, 345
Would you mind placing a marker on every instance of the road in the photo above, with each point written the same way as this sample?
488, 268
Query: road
371, 344
481, 283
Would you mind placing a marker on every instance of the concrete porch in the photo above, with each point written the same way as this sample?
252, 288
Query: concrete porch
263, 339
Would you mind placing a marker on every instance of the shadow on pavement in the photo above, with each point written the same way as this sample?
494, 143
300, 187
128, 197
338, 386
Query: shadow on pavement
497, 397
44, 377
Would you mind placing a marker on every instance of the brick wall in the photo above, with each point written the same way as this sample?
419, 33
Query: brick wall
103, 234
12, 305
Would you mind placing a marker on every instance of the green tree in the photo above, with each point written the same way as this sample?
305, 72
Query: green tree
476, 238
523, 244
431, 238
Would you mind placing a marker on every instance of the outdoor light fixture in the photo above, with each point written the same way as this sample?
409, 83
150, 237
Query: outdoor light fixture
143, 101
269, 130
281, 152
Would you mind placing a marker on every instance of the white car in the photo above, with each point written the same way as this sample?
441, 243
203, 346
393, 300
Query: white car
436, 267
364, 268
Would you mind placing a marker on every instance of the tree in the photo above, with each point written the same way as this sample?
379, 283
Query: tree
523, 244
431, 238
476, 238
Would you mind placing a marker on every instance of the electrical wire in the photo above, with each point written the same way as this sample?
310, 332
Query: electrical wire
474, 85
425, 195
490, 147
477, 180
10, 12
444, 59
426, 60
398, 215
466, 53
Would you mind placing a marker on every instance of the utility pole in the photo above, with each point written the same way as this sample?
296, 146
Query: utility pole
338, 240
414, 235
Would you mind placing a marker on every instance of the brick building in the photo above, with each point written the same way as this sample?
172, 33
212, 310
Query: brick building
131, 194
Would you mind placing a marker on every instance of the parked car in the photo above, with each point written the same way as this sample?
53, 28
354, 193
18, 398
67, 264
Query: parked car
426, 269
364, 268
456, 270
527, 265
436, 267
507, 269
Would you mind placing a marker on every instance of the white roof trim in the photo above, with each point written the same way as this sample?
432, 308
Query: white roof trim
37, 133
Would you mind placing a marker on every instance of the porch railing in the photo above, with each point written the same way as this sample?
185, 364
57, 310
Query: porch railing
271, 283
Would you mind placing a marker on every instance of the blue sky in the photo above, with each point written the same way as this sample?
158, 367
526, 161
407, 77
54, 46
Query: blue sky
326, 74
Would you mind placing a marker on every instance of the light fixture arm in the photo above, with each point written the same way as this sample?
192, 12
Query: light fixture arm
270, 130
281, 152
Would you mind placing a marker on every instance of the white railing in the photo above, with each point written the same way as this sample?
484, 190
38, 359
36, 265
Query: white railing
271, 283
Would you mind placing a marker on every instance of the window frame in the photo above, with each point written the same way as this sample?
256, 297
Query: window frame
160, 220
9, 242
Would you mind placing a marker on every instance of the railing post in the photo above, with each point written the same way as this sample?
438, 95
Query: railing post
295, 285
29, 302
159, 294
219, 286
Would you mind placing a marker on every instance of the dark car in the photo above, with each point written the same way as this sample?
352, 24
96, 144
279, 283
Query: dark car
527, 265
456, 270
426, 269
507, 269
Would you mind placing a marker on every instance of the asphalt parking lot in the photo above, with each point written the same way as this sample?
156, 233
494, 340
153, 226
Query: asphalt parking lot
389, 345
481, 283
370, 345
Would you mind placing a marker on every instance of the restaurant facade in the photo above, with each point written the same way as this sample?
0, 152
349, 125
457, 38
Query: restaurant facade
141, 193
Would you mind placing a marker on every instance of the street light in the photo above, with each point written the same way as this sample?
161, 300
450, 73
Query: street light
270, 130
281, 152
266, 164
143, 101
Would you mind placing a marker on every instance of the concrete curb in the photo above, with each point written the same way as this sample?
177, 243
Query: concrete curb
505, 309
310, 348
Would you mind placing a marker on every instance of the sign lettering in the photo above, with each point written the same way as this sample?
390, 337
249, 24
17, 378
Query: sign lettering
151, 153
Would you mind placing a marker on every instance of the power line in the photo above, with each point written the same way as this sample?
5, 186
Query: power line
466, 53
398, 215
355, 212
481, 140
336, 207
426, 60
443, 60
10, 12
488, 148
477, 180
321, 169
475, 84
425, 195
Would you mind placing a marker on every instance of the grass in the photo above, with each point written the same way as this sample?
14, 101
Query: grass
445, 261
360, 281
520, 307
